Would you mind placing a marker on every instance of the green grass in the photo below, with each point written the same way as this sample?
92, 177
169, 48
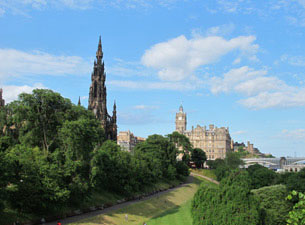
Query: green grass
177, 216
205, 172
165, 209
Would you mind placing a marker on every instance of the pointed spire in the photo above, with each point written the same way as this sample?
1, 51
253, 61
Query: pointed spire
79, 104
99, 53
114, 106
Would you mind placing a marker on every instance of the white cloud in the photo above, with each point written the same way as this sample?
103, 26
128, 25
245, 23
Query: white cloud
294, 134
286, 98
293, 60
263, 91
18, 63
234, 78
145, 107
221, 30
239, 132
11, 92
178, 58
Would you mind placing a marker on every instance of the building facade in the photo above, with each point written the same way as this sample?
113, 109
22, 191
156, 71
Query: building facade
98, 97
128, 141
214, 141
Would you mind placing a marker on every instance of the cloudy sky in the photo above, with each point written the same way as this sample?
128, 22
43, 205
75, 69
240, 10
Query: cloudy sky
233, 63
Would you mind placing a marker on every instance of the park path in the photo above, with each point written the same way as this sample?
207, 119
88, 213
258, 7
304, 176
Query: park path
77, 218
205, 177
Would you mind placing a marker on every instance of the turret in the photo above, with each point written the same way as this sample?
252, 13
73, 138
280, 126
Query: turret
114, 112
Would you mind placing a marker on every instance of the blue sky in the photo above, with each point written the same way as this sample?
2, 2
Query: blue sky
234, 63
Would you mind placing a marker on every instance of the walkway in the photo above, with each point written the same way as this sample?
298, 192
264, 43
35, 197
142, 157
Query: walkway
205, 177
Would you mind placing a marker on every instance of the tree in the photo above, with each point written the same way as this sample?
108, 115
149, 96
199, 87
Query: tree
35, 185
297, 214
233, 160
181, 142
273, 205
160, 155
229, 203
198, 157
38, 116
261, 176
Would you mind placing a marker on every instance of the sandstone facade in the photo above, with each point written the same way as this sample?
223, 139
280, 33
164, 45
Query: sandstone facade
216, 142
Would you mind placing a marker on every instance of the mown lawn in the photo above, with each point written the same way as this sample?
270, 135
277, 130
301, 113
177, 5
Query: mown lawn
165, 209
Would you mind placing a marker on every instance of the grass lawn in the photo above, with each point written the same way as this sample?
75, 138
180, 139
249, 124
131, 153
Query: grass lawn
205, 172
169, 208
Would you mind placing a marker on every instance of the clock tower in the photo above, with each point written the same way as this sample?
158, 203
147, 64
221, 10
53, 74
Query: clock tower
181, 121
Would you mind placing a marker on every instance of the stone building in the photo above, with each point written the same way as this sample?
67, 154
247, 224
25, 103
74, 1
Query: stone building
98, 96
128, 141
2, 102
216, 142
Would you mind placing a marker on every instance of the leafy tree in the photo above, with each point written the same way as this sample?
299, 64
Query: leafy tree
229, 203
214, 164
273, 205
233, 160
297, 214
261, 176
296, 181
159, 154
183, 144
198, 156
35, 186
38, 116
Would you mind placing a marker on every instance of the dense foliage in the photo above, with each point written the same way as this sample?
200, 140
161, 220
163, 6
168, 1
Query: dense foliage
54, 155
273, 204
198, 157
229, 203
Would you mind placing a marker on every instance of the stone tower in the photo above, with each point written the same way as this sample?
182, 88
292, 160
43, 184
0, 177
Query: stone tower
98, 96
181, 121
2, 102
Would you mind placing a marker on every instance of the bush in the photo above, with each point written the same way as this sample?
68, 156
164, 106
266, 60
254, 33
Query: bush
229, 203
273, 205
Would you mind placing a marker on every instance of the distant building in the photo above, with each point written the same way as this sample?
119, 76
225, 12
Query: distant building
216, 142
98, 97
249, 148
128, 141
2, 102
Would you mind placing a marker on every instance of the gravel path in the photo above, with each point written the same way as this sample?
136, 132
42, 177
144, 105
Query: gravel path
205, 177
77, 218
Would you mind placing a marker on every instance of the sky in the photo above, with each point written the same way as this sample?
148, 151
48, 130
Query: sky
233, 63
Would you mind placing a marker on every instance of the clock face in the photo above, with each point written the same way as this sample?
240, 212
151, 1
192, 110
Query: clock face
180, 118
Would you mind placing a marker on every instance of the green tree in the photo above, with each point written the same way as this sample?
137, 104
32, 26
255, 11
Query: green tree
38, 116
183, 144
35, 185
233, 160
297, 214
261, 176
198, 156
273, 205
230, 203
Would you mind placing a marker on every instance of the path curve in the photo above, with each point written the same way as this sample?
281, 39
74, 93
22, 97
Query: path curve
205, 177
77, 218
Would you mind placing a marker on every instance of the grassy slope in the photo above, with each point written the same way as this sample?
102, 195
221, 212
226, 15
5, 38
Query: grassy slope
168, 208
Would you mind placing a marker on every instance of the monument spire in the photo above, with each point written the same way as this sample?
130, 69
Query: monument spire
99, 52
79, 104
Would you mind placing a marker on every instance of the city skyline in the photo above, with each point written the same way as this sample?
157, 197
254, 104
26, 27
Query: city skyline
236, 64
